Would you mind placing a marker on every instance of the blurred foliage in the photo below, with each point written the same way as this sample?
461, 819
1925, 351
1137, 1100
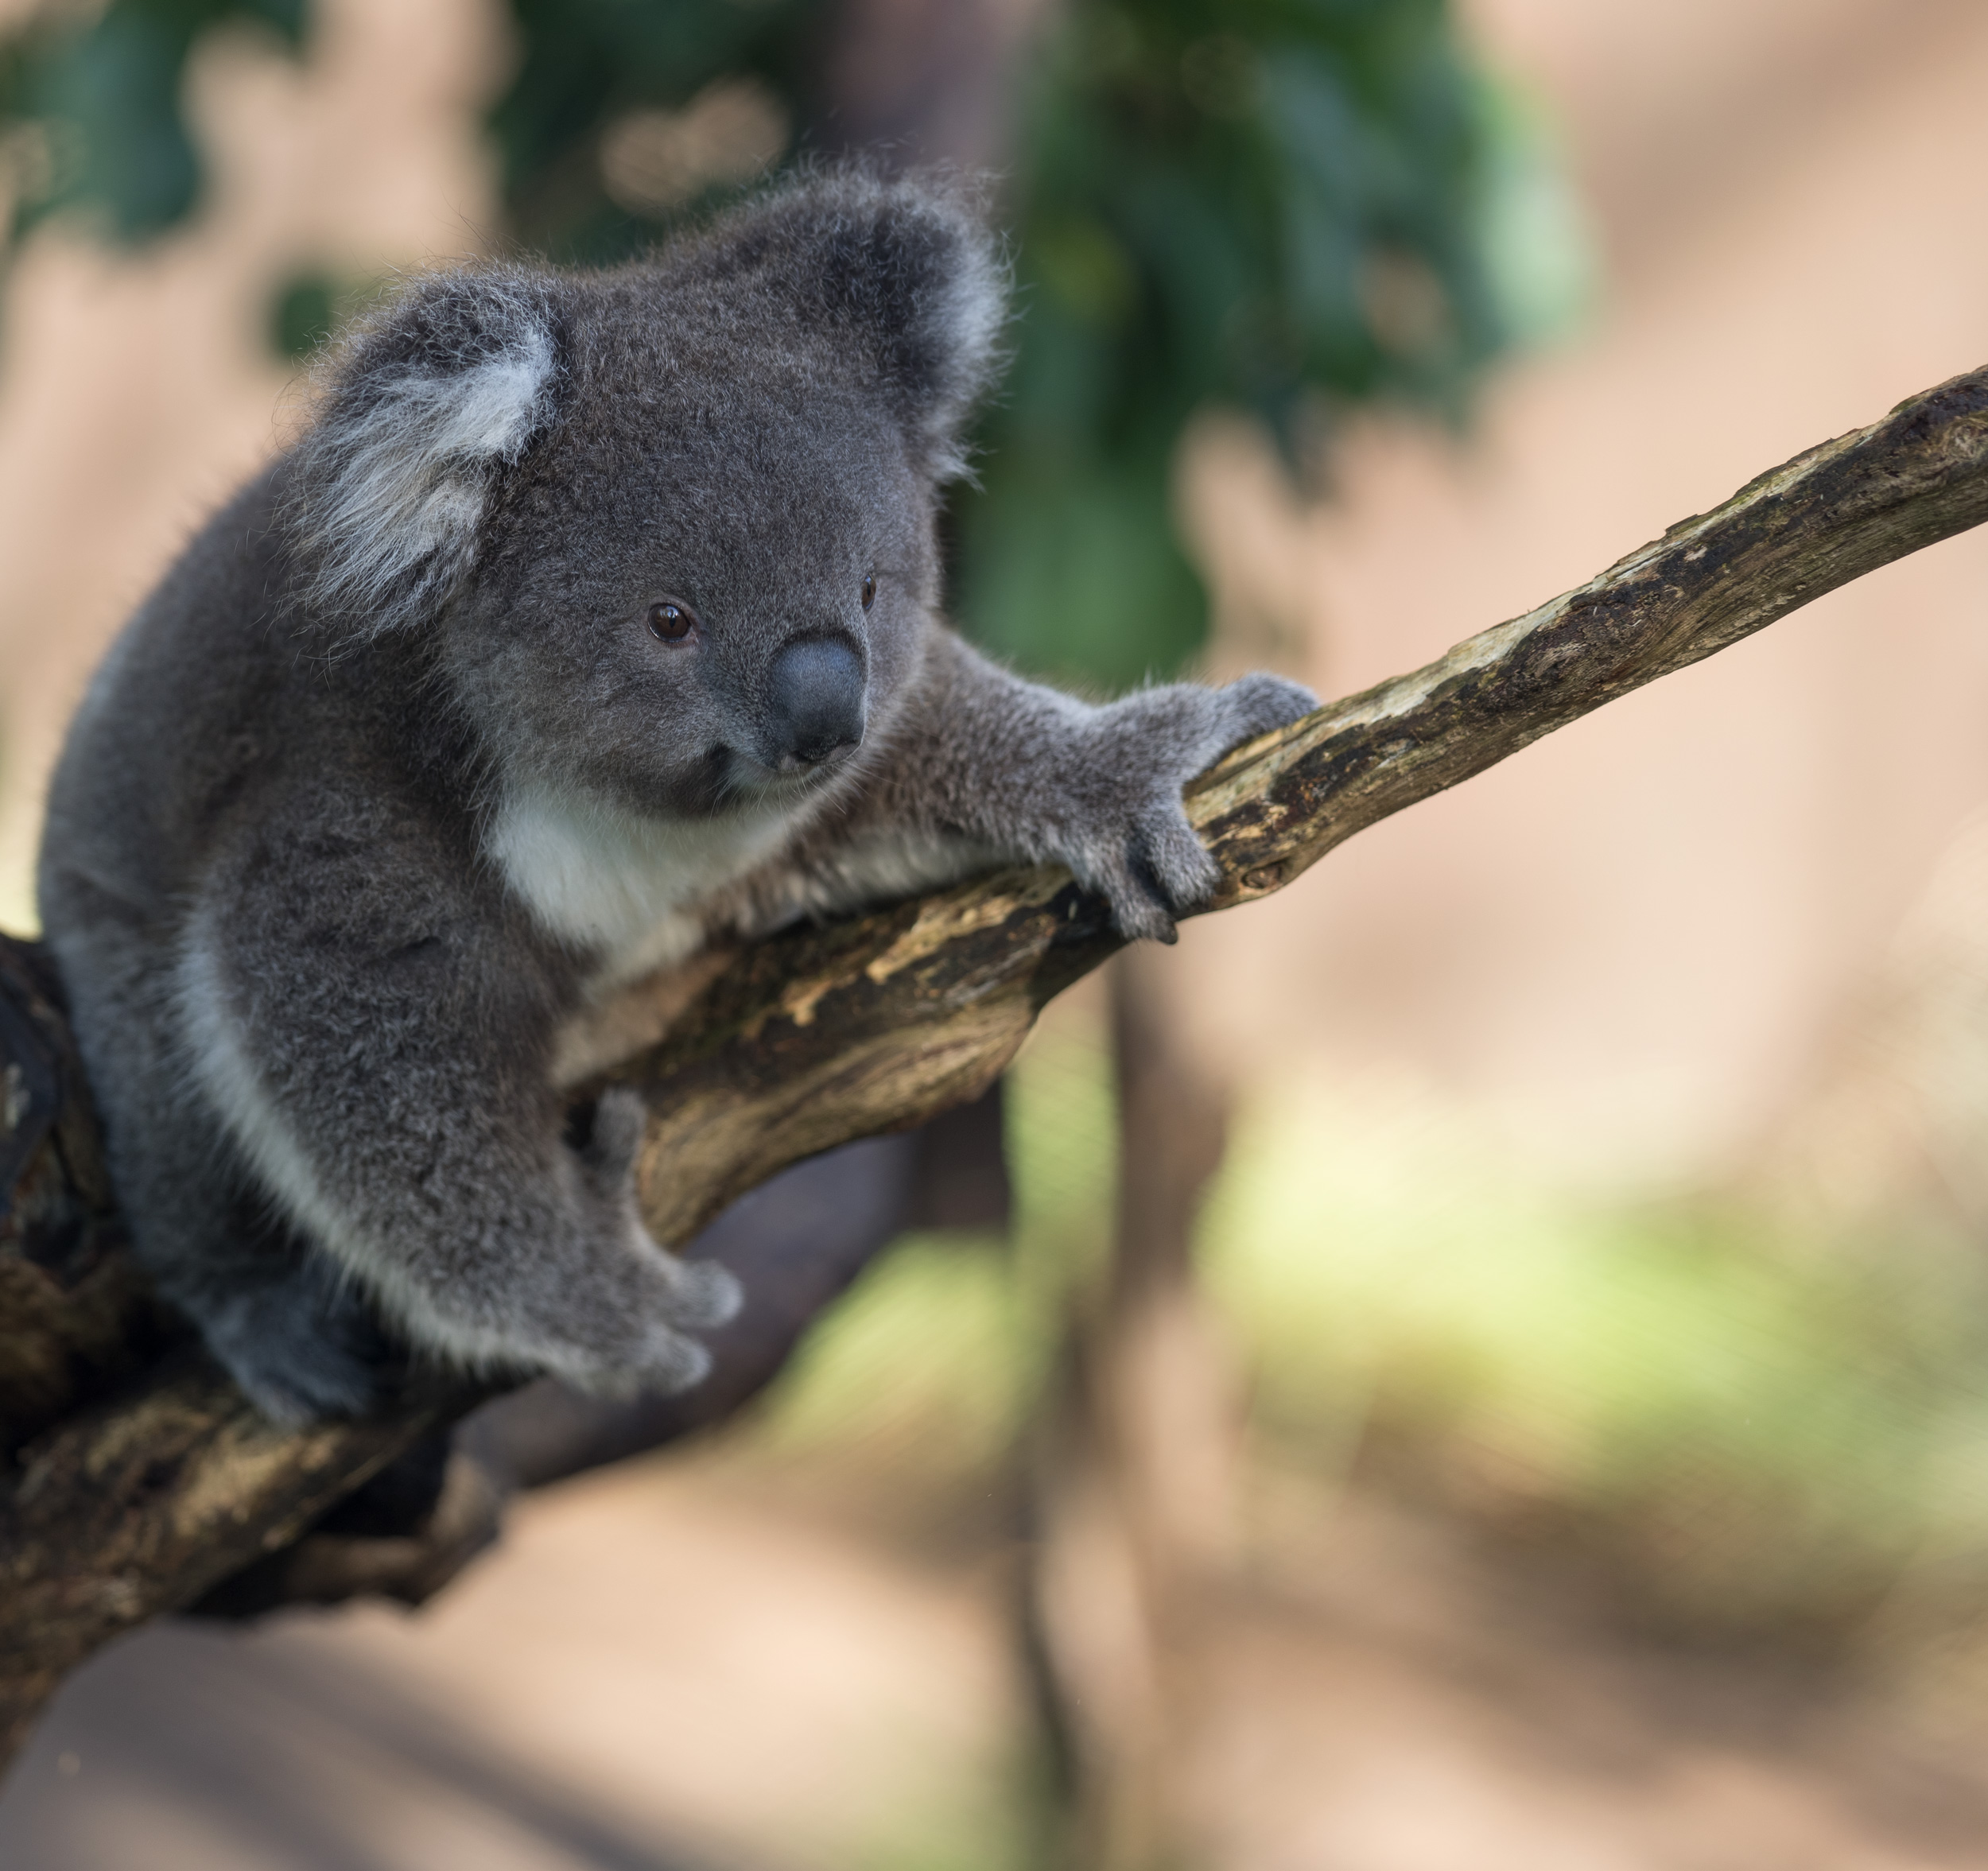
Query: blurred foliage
305, 310
1746, 1440
1274, 204
933, 1368
89, 103
1289, 206
1757, 1436
585, 66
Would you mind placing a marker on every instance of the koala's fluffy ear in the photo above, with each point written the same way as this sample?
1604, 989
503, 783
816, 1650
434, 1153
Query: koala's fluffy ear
427, 401
907, 271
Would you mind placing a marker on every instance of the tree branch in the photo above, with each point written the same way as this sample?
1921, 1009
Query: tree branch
125, 1504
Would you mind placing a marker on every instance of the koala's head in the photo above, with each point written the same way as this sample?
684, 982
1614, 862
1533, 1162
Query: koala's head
670, 527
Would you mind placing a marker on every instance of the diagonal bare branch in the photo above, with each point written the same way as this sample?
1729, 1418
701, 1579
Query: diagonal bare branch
138, 1502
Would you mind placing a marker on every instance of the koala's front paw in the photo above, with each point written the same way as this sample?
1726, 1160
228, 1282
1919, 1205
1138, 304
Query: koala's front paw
1254, 703
1139, 851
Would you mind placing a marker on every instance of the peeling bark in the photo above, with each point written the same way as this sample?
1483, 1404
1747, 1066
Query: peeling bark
138, 1479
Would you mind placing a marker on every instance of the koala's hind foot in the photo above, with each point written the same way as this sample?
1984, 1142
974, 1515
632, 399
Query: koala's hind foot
301, 1343
588, 1297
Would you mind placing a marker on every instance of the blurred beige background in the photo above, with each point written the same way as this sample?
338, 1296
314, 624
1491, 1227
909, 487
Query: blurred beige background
1619, 955
136, 391
1625, 944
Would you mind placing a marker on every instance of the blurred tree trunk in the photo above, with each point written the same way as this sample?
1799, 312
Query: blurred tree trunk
1134, 1463
1134, 1442
1134, 1446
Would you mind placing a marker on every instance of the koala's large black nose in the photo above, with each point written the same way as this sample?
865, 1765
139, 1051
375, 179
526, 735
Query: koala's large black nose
814, 699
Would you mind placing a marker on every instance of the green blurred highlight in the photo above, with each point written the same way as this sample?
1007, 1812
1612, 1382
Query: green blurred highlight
302, 317
1761, 1433
1761, 1439
312, 305
103, 87
1541, 253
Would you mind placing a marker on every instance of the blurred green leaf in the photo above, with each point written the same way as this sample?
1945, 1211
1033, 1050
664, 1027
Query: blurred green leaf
105, 91
302, 317
586, 63
1267, 204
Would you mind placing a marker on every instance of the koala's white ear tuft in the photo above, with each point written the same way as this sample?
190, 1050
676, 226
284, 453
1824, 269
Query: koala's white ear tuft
907, 269
427, 402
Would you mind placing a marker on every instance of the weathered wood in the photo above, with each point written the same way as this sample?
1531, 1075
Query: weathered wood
142, 1502
74, 1314
135, 1502
1841, 509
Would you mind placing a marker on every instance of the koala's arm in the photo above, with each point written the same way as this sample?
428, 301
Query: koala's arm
375, 1041
1026, 771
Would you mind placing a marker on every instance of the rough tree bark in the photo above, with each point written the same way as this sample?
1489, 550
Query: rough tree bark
137, 1480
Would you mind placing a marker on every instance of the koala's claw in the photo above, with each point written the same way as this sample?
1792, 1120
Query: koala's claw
670, 1363
1165, 873
1142, 918
637, 1336
657, 1354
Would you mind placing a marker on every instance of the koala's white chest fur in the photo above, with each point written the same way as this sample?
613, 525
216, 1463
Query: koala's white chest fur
627, 885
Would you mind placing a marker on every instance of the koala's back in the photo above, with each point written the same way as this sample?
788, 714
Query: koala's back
165, 739
211, 721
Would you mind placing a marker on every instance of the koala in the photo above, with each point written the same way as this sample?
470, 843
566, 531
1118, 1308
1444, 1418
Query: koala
592, 615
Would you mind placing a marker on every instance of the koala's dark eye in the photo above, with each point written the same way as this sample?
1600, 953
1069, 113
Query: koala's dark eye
869, 589
671, 621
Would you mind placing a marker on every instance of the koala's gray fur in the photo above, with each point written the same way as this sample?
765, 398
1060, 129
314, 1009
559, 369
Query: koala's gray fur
392, 774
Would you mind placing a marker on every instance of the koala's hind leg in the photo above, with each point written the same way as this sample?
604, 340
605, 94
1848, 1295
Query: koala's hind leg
381, 1057
296, 1337
292, 1330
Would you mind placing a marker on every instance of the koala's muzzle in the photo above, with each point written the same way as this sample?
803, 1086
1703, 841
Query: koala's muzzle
815, 697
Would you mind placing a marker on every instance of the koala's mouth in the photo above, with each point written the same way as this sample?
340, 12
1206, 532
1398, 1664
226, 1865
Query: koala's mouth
749, 779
